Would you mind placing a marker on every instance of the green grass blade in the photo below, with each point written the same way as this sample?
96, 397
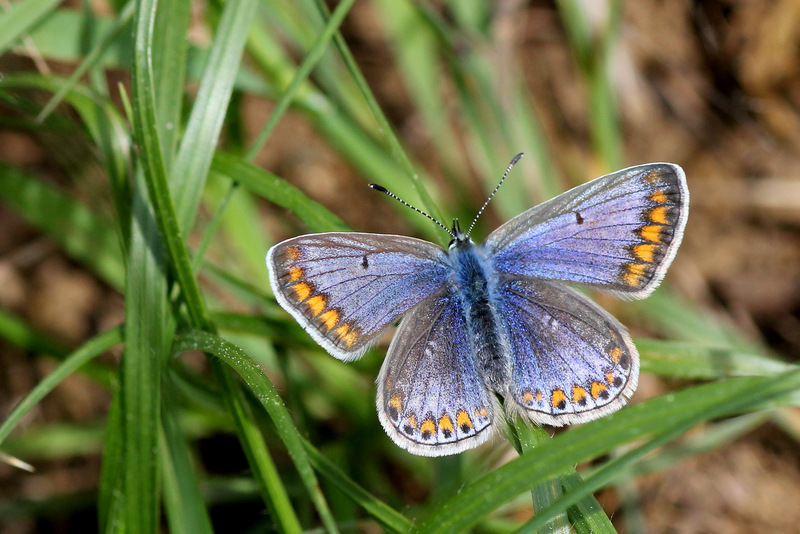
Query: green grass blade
19, 333
209, 110
258, 457
592, 50
712, 437
91, 59
183, 501
169, 24
388, 517
309, 62
586, 516
71, 363
277, 190
265, 392
417, 49
20, 17
152, 157
82, 234
107, 129
148, 330
62, 36
112, 471
652, 418
548, 491
686, 360
395, 146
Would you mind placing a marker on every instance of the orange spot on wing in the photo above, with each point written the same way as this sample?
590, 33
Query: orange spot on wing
651, 177
538, 396
527, 397
558, 399
445, 423
636, 271
615, 354
645, 252
295, 274
597, 389
651, 232
302, 290
412, 421
329, 319
658, 196
659, 215
428, 426
396, 402
316, 304
293, 253
610, 377
481, 412
463, 420
578, 394
347, 334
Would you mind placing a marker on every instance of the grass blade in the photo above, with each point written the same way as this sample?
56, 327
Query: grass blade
81, 233
209, 110
272, 403
148, 330
71, 363
652, 418
388, 517
277, 190
20, 17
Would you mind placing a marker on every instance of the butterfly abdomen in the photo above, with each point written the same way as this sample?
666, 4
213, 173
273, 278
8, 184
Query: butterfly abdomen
472, 280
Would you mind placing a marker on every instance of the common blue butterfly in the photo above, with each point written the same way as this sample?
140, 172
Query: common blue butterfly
478, 321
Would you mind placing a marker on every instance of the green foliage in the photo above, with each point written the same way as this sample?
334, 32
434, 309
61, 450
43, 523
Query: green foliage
303, 476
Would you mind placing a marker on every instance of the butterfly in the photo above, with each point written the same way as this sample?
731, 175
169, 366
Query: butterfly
496, 319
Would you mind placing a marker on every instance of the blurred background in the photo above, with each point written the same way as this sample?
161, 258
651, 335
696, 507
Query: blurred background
583, 88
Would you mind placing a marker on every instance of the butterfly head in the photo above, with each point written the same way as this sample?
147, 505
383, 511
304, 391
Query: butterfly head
460, 238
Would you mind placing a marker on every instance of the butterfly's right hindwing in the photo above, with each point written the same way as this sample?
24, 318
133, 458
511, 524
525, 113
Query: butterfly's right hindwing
345, 288
571, 360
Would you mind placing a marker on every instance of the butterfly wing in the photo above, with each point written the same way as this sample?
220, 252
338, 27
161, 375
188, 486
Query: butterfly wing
618, 232
345, 288
571, 361
431, 399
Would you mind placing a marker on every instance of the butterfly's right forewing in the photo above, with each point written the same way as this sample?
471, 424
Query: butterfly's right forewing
345, 288
619, 232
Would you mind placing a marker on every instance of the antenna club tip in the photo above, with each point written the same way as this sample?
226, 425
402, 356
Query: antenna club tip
517, 158
378, 187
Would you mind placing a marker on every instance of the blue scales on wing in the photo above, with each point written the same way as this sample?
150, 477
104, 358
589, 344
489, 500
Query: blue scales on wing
345, 288
618, 232
571, 360
432, 399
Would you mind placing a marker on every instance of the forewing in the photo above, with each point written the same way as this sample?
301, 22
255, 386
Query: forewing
345, 288
619, 232
571, 361
431, 399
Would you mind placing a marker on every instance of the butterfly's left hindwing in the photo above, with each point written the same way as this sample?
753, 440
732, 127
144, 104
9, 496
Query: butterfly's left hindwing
618, 232
432, 399
345, 288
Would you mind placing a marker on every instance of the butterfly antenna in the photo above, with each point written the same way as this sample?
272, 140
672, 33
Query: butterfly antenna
480, 211
388, 193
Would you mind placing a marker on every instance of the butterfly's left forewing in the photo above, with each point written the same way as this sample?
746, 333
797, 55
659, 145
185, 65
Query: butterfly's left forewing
618, 232
345, 288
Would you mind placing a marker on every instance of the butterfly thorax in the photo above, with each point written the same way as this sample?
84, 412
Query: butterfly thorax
475, 286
